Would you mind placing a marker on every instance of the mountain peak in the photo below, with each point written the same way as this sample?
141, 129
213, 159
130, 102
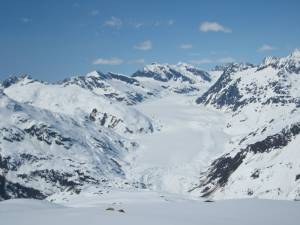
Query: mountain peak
184, 64
95, 73
15, 79
295, 54
269, 60
233, 67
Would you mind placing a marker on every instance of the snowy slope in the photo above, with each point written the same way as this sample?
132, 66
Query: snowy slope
262, 159
115, 87
77, 102
43, 153
147, 208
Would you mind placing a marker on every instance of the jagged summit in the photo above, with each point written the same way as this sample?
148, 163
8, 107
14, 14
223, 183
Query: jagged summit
270, 60
242, 84
295, 54
168, 72
290, 63
95, 73
233, 66
15, 79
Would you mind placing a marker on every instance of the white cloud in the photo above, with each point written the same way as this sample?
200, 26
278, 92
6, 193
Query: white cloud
110, 61
113, 22
25, 20
185, 46
94, 12
214, 27
137, 61
266, 47
226, 60
145, 45
201, 61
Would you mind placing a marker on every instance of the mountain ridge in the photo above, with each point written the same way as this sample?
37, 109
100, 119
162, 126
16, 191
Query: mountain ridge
246, 117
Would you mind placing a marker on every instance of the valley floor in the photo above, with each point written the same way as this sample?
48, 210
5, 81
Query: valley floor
150, 208
187, 137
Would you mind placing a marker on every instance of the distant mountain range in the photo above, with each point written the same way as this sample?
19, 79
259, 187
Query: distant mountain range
84, 133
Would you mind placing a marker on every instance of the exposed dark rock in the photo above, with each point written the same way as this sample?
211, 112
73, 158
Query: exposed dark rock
121, 210
48, 135
169, 74
12, 134
255, 174
123, 78
10, 190
135, 97
10, 81
250, 192
219, 95
185, 90
110, 209
93, 115
222, 168
86, 82
203, 74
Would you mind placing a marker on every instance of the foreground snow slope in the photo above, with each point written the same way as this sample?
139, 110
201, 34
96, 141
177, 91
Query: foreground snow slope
147, 208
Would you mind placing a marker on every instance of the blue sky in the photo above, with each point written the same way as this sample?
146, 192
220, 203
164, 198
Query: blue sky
51, 40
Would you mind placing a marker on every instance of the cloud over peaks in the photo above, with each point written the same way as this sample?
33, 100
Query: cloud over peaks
266, 47
186, 46
113, 22
110, 61
144, 46
213, 27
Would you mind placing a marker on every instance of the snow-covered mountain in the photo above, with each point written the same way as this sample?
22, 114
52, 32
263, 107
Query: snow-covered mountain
78, 100
116, 87
43, 152
181, 78
65, 136
227, 133
262, 158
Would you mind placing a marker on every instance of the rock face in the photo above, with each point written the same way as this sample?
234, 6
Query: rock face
225, 92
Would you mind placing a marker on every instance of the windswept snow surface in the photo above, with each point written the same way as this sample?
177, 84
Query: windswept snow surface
148, 208
189, 138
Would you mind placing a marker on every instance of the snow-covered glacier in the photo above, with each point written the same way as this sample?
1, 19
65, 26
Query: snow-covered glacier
231, 132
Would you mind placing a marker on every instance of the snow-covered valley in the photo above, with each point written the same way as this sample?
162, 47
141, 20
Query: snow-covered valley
160, 144
188, 137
